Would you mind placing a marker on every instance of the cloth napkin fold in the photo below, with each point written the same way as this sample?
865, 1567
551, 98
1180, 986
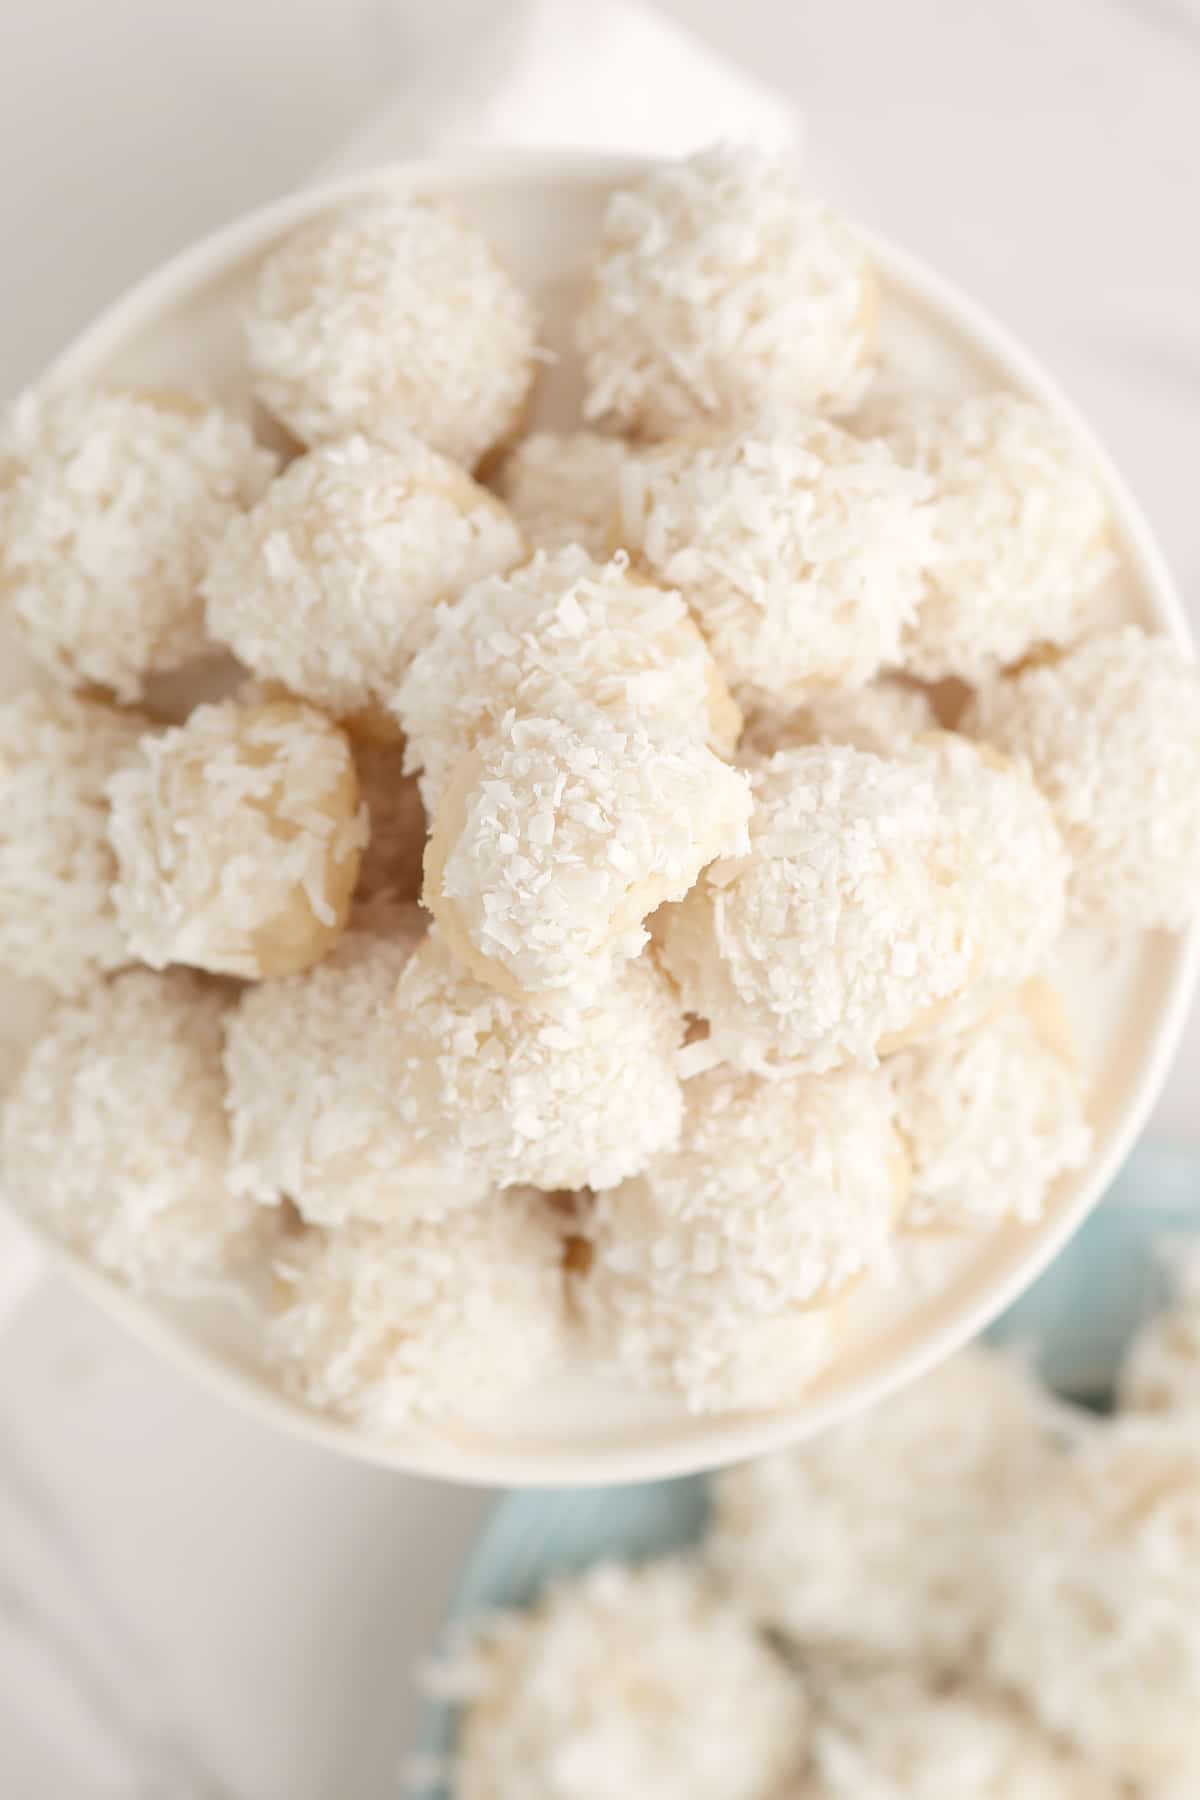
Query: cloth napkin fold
610, 75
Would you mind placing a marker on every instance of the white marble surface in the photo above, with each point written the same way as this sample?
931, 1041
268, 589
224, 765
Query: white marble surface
191, 1609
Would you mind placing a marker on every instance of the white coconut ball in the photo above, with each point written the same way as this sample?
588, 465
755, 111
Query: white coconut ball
1161, 1368
114, 1134
1100, 1633
562, 633
392, 864
800, 549
884, 716
721, 286
843, 926
387, 1325
779, 1194
238, 837
328, 585
553, 843
992, 1117
666, 1340
1006, 857
392, 315
562, 488
1022, 534
893, 1732
878, 1535
111, 501
624, 1681
310, 1062
580, 1097
57, 919
1111, 732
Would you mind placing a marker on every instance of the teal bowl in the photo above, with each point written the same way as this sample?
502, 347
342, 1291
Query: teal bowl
1076, 1320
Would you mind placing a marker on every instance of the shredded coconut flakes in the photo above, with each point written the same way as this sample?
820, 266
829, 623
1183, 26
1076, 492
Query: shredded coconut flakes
329, 584
112, 502
800, 548
238, 837
389, 316
721, 287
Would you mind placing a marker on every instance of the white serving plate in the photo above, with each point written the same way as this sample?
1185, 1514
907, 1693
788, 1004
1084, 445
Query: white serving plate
542, 210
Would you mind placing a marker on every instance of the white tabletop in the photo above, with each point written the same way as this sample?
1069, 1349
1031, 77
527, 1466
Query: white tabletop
191, 1609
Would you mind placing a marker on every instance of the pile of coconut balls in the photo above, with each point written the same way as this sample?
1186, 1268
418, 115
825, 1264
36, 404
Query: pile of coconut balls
730, 960
1025, 1626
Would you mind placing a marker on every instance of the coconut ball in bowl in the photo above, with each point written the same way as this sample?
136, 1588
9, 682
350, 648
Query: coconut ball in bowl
581, 586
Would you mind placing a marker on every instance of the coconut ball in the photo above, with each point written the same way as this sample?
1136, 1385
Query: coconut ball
884, 716
842, 928
552, 844
114, 1134
238, 837
392, 861
800, 549
991, 1117
721, 286
892, 1732
388, 316
1161, 1369
878, 1535
624, 1681
1100, 1634
111, 501
312, 1102
57, 919
329, 584
561, 633
778, 1194
1111, 732
667, 1348
1022, 534
1006, 856
562, 489
387, 1324
582, 1096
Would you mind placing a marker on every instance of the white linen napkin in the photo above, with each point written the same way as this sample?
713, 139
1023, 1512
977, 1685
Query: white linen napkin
598, 74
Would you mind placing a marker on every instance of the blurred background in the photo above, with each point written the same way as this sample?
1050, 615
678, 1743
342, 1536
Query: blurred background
190, 1610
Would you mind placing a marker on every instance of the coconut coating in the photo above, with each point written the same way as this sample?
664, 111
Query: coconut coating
625, 1681
1007, 856
879, 1535
114, 1134
1161, 1368
553, 843
388, 316
1099, 1636
328, 585
57, 919
111, 501
312, 1106
560, 634
562, 487
992, 1117
238, 837
385, 1325
392, 861
582, 1096
1022, 534
721, 287
1111, 732
893, 1732
884, 716
843, 926
800, 549
779, 1194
